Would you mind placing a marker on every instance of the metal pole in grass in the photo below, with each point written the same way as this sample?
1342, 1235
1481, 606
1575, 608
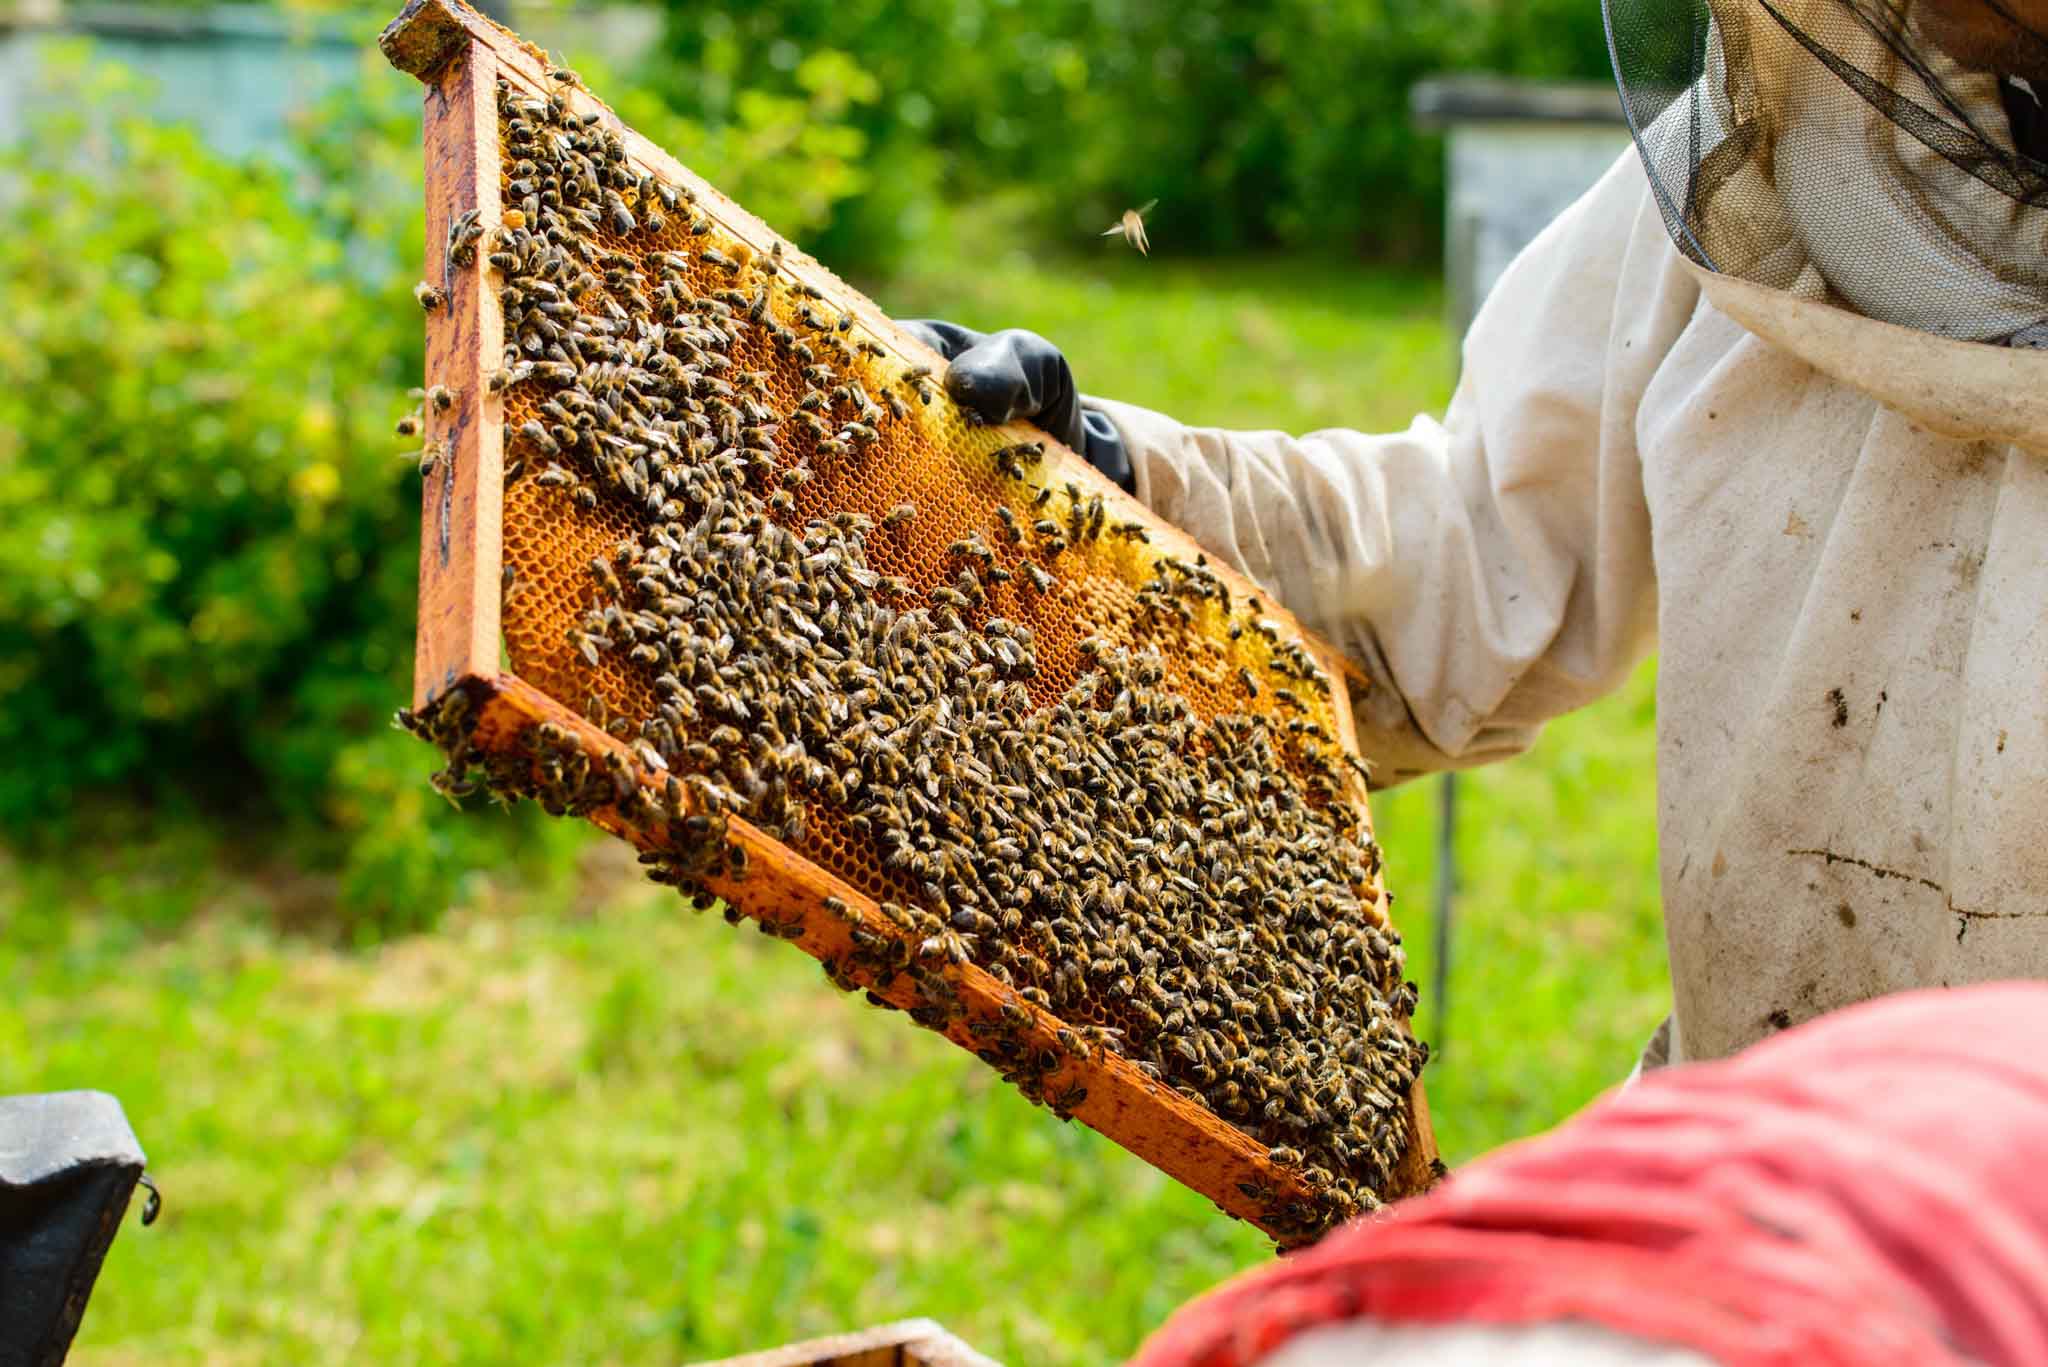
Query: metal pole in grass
1446, 897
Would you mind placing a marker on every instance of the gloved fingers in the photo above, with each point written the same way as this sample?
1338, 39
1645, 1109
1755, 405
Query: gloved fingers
1018, 374
948, 339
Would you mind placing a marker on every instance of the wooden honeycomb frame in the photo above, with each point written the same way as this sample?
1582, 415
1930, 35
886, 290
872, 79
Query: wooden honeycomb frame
907, 1343
460, 56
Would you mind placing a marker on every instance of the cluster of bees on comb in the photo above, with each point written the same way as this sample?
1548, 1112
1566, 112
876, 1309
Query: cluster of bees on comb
1178, 885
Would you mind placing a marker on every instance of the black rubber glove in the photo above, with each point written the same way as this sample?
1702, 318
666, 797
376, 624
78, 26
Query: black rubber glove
1017, 374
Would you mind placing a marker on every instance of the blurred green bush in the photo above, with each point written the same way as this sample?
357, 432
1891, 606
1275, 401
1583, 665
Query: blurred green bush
1278, 124
207, 526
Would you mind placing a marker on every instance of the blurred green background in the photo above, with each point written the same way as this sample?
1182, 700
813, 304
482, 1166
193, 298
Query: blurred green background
433, 1086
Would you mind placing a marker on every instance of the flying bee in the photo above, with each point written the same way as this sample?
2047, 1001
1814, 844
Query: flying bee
429, 297
409, 425
1131, 227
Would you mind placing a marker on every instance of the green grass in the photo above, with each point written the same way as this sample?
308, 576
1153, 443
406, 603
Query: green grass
578, 1124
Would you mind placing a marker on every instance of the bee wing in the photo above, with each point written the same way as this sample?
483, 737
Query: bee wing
1147, 207
1112, 230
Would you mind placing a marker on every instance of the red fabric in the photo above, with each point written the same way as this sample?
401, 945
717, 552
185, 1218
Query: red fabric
1864, 1189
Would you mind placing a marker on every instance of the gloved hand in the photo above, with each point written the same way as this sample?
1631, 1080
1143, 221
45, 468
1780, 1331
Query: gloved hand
1018, 374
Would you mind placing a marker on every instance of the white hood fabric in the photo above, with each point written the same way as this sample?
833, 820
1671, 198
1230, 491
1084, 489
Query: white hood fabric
1832, 529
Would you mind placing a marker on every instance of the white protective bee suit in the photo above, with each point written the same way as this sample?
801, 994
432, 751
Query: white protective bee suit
1832, 527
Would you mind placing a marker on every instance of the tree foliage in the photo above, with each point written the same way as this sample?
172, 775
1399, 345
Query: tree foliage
1277, 124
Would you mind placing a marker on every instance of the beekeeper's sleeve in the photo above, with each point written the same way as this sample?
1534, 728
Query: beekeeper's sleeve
1489, 572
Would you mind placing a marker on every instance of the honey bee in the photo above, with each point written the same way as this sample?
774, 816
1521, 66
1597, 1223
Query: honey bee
409, 425
441, 398
1131, 227
899, 515
428, 296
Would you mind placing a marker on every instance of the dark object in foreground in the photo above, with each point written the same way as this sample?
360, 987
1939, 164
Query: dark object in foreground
68, 1164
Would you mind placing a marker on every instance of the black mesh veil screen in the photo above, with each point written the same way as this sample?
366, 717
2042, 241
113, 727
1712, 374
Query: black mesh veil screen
1889, 156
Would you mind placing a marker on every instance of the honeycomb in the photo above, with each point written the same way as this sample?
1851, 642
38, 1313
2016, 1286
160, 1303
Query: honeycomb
745, 535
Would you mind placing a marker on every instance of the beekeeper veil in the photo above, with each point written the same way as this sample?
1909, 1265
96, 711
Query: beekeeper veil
1834, 148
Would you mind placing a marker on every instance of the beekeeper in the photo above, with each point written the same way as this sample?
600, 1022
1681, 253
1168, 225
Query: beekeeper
1765, 400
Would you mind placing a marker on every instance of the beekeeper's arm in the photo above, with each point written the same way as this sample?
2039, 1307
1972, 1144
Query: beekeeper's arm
1489, 572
